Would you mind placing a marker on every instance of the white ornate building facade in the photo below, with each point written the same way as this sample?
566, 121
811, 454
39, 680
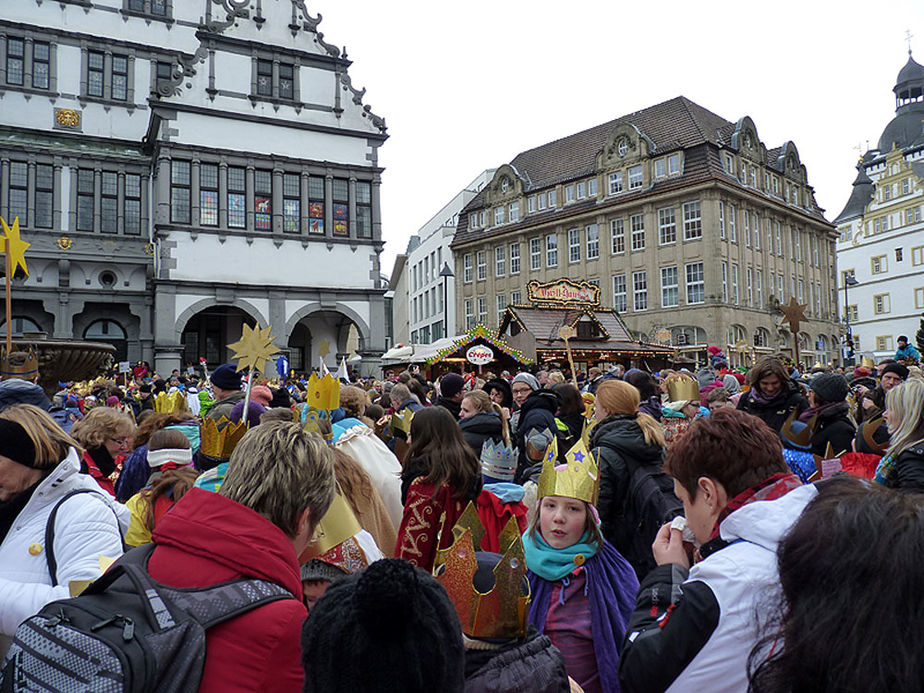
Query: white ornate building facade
881, 231
183, 167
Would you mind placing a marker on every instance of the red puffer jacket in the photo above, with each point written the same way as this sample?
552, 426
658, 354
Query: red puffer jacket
206, 539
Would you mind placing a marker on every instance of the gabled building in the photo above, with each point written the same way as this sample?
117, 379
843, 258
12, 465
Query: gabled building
694, 230
880, 249
181, 168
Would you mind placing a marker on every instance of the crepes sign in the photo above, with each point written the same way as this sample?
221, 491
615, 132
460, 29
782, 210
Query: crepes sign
564, 292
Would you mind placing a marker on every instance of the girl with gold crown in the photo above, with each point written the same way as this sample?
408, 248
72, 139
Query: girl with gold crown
583, 589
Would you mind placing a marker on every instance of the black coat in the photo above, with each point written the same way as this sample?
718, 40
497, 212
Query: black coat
616, 441
480, 427
908, 472
528, 665
538, 411
775, 412
833, 426
450, 405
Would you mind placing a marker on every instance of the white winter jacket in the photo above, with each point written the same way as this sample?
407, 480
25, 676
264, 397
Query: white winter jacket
85, 529
380, 463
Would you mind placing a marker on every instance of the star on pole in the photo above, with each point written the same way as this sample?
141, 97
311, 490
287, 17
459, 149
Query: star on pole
794, 314
17, 246
323, 348
254, 348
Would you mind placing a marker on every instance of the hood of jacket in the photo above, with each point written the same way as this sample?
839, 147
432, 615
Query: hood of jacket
622, 433
540, 399
483, 423
17, 391
211, 526
840, 410
765, 523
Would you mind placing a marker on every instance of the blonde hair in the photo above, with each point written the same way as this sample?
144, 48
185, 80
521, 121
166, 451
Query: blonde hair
556, 377
353, 400
905, 404
50, 440
278, 471
590, 524
99, 425
619, 397
484, 403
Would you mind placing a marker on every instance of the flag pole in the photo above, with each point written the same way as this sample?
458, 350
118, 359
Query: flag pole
9, 299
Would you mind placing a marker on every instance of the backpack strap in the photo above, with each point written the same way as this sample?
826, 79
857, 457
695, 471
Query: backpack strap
50, 531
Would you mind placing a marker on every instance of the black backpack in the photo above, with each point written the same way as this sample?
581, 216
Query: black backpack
126, 632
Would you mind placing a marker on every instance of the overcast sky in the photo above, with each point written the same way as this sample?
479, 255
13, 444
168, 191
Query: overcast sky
465, 86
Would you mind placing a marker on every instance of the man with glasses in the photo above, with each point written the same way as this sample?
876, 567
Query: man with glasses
535, 408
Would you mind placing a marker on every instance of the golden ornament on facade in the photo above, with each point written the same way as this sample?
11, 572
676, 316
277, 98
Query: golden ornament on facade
149, 248
67, 117
65, 243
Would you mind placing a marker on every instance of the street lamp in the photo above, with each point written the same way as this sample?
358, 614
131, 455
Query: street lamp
849, 280
446, 273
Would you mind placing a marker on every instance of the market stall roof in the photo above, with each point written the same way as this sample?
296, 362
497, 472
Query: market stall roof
595, 329
415, 353
479, 335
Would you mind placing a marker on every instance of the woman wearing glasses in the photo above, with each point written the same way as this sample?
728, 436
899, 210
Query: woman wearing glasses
106, 436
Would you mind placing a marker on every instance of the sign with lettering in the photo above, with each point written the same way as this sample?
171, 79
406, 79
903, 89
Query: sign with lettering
564, 292
479, 355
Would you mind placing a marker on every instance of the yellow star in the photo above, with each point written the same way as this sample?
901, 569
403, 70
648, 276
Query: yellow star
17, 246
794, 314
254, 348
323, 348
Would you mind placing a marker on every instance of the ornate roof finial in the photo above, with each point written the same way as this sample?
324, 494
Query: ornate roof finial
908, 36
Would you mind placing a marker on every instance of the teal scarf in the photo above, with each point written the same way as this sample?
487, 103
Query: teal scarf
554, 564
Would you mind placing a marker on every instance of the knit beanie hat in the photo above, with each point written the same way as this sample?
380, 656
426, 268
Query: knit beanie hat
527, 378
226, 377
830, 387
254, 412
389, 627
451, 384
261, 394
899, 369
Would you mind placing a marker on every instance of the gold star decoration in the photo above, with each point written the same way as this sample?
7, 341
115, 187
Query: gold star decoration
17, 246
254, 348
794, 314
324, 348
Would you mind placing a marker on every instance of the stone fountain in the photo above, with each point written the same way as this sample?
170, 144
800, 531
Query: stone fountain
62, 359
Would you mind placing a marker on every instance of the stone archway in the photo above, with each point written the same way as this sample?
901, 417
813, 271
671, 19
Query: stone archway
313, 330
207, 333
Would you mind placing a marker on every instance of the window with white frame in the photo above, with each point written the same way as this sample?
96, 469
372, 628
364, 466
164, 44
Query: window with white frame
722, 220
535, 254
749, 280
553, 198
667, 226
660, 168
881, 304
574, 245
513, 212
755, 224
779, 286
615, 182
919, 298
640, 290
618, 236
724, 282
515, 298
801, 293
467, 268
917, 255
692, 220
531, 203
769, 236
619, 293
670, 290
798, 235
500, 261
569, 193
551, 250
481, 263
734, 284
696, 283
543, 204
469, 314
673, 164
635, 177
482, 310
514, 258
637, 227
732, 228
592, 187
592, 233
498, 216
760, 288
879, 264
747, 227
581, 190
779, 238
501, 304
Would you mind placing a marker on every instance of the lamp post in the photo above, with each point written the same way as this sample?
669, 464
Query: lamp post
446, 273
849, 280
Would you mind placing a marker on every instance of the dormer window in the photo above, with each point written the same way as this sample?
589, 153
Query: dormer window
587, 329
505, 185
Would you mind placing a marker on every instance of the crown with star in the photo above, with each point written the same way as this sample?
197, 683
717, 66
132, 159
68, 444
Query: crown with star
580, 479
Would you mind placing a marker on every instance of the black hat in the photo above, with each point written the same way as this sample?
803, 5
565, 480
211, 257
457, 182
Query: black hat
830, 387
226, 377
899, 369
145, 388
451, 384
390, 622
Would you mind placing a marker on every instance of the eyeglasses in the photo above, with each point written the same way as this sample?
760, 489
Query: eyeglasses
121, 442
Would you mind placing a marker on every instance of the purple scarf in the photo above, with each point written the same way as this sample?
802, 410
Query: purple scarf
611, 588
760, 398
805, 416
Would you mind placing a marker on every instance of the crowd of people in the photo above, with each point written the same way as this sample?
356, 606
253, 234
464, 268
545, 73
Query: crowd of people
712, 528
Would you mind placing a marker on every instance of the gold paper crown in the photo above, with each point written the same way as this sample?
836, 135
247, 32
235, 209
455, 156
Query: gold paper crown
803, 438
867, 362
220, 438
580, 480
869, 429
682, 388
500, 612
338, 524
166, 403
27, 370
401, 421
323, 393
